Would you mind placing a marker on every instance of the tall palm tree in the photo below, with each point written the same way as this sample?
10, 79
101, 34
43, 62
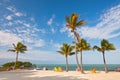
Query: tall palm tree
83, 45
73, 23
66, 50
105, 46
19, 48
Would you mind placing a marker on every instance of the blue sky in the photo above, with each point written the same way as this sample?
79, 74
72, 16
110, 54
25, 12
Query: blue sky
40, 25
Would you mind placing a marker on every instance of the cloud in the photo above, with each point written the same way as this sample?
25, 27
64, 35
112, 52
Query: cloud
50, 21
11, 8
19, 14
31, 55
8, 38
52, 30
18, 26
9, 17
67, 31
57, 45
108, 27
39, 43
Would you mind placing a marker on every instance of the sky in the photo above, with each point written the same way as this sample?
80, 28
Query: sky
40, 25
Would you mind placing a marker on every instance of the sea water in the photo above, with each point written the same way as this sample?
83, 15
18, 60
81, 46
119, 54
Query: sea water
72, 67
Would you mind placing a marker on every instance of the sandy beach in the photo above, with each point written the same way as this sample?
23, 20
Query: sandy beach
51, 75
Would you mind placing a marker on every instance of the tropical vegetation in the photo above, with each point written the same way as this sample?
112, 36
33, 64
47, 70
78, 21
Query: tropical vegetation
19, 65
19, 48
73, 24
105, 46
66, 50
80, 46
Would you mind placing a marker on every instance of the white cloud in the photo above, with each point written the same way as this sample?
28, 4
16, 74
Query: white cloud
39, 55
9, 17
19, 14
8, 38
64, 29
52, 30
68, 31
11, 8
39, 43
57, 45
108, 27
50, 21
10, 23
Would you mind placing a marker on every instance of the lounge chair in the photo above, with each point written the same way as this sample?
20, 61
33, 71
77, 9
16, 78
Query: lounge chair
60, 69
55, 69
94, 70
78, 69
118, 69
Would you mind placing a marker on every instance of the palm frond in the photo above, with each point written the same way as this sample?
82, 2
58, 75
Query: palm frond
19, 48
68, 19
11, 50
111, 47
97, 48
106, 45
72, 53
80, 23
66, 49
61, 52
14, 46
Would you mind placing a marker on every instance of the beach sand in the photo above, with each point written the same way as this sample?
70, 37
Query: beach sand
51, 75
73, 75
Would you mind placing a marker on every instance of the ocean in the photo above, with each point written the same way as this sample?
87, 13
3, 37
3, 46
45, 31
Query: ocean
87, 67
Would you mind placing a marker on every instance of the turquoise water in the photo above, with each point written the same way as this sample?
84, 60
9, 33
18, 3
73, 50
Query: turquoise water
85, 66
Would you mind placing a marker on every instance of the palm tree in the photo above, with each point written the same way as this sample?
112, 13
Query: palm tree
66, 50
83, 45
73, 23
19, 48
105, 46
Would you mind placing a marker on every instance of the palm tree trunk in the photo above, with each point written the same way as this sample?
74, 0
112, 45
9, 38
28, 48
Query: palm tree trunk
105, 66
78, 65
77, 36
16, 60
81, 62
66, 64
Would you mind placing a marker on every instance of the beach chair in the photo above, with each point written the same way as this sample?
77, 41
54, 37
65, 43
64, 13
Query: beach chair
55, 69
94, 70
118, 69
60, 69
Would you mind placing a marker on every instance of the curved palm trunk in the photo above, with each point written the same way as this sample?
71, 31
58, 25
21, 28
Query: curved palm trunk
77, 36
66, 64
16, 60
78, 65
105, 66
81, 61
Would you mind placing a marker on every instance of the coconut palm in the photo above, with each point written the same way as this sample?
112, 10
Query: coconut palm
66, 50
83, 45
19, 48
73, 23
105, 46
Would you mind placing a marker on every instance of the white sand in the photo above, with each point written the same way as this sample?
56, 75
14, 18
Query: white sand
101, 75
